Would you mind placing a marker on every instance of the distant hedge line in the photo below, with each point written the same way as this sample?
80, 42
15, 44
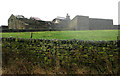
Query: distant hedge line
100, 56
31, 30
22, 30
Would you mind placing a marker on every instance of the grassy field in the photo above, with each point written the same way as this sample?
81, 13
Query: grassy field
81, 35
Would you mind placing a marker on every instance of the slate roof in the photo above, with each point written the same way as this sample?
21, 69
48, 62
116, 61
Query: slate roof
36, 18
61, 18
32, 21
19, 16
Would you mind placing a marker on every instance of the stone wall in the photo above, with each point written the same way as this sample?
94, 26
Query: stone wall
86, 23
115, 27
73, 24
83, 23
79, 23
100, 24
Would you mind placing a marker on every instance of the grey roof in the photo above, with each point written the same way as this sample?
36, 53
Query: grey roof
19, 16
62, 18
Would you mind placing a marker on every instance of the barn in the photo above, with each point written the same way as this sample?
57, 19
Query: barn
20, 22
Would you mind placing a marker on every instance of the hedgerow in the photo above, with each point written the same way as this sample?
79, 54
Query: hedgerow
70, 55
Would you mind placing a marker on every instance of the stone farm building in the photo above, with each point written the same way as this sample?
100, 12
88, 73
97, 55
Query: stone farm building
83, 23
34, 23
60, 23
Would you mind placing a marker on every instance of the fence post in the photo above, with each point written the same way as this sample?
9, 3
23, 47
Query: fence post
31, 35
117, 38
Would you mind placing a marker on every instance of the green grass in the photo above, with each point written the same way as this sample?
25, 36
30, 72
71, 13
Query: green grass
82, 35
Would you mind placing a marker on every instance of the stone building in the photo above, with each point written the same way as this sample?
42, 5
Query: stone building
84, 23
60, 23
79, 23
20, 22
100, 24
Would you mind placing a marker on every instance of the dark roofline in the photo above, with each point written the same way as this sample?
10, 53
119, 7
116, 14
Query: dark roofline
100, 18
81, 16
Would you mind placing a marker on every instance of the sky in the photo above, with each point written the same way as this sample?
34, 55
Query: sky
119, 13
47, 10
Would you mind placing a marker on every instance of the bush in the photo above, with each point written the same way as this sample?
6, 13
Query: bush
61, 56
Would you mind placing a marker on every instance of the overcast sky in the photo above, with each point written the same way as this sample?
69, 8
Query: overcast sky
49, 9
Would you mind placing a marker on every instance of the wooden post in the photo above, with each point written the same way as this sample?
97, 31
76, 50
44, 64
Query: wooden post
117, 38
31, 35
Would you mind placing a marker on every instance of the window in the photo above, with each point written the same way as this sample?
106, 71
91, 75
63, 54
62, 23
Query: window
11, 20
22, 23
